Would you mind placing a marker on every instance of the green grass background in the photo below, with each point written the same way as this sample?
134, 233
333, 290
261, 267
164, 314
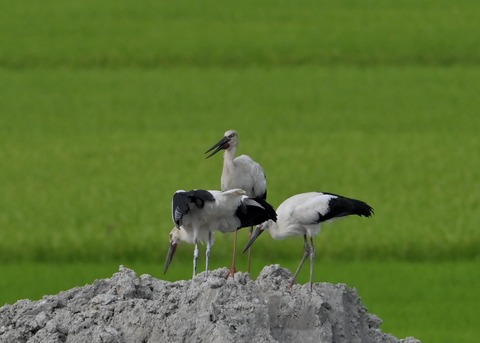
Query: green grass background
106, 109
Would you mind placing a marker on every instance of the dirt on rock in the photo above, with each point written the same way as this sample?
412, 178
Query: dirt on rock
128, 308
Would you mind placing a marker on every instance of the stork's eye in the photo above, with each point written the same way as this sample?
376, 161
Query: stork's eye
231, 135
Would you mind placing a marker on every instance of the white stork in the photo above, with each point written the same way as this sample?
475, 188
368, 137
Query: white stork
241, 172
302, 214
201, 212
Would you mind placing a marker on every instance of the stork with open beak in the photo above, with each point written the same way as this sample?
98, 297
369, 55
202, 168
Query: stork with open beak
240, 172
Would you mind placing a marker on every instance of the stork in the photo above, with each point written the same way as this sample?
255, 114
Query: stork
241, 172
303, 214
201, 212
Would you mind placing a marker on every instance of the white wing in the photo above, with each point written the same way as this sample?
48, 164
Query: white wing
309, 207
248, 175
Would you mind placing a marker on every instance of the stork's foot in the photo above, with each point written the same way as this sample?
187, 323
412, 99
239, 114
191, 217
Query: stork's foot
291, 283
231, 273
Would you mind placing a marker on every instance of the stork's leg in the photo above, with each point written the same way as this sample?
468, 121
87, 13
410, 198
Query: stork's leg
306, 253
249, 260
232, 270
312, 259
195, 259
207, 253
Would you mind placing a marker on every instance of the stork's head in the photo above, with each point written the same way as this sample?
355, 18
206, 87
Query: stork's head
228, 142
258, 231
175, 239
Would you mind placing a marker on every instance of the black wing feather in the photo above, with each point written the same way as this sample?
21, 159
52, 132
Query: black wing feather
182, 200
199, 196
180, 207
251, 215
343, 206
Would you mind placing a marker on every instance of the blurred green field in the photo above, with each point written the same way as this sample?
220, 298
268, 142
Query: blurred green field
106, 110
121, 33
91, 159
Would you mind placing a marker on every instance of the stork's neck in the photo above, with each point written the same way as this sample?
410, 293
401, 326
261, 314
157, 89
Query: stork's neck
228, 157
275, 231
272, 227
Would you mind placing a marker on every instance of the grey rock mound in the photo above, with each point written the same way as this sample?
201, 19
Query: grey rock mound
128, 308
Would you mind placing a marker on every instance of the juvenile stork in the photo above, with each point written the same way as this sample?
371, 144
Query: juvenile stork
241, 172
200, 213
303, 214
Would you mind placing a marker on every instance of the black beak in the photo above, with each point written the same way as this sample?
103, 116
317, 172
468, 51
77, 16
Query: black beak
258, 232
221, 145
171, 252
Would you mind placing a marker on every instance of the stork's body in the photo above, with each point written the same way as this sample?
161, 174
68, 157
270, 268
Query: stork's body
200, 213
303, 214
244, 173
240, 172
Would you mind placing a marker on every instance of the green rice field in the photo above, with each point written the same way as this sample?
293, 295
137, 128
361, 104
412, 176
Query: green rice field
106, 109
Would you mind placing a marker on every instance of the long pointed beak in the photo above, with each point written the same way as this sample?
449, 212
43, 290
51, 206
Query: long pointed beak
258, 231
222, 144
171, 252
